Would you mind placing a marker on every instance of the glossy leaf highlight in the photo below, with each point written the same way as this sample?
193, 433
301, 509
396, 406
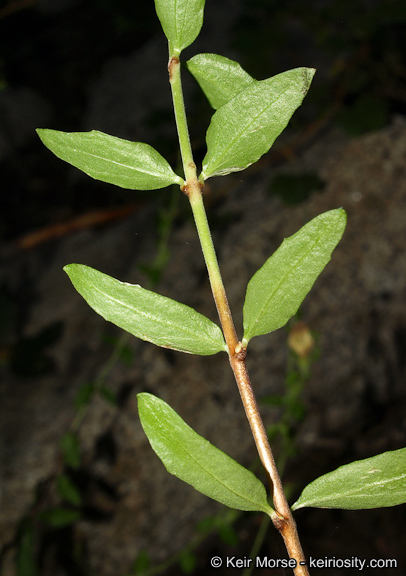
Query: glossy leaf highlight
376, 482
131, 165
145, 314
276, 291
220, 78
245, 128
196, 461
181, 21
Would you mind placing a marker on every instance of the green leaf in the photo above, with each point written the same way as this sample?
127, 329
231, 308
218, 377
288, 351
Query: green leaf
60, 517
68, 491
245, 128
84, 395
108, 395
197, 462
276, 291
181, 21
376, 482
145, 314
187, 561
220, 78
131, 165
141, 564
26, 549
228, 534
71, 449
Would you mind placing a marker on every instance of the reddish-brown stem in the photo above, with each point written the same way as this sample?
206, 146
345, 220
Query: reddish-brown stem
192, 187
281, 517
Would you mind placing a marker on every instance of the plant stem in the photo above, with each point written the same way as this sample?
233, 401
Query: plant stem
281, 516
175, 81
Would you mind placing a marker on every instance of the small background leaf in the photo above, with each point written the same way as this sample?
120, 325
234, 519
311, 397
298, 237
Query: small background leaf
187, 561
145, 314
276, 291
220, 78
131, 165
242, 130
197, 462
84, 395
70, 448
108, 395
60, 517
26, 551
68, 491
376, 482
181, 22
141, 564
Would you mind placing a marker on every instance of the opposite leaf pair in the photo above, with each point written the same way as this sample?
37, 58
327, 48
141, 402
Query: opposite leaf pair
377, 481
274, 294
248, 121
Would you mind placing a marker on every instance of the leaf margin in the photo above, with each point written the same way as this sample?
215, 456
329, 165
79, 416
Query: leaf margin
252, 290
73, 148
214, 338
339, 474
152, 406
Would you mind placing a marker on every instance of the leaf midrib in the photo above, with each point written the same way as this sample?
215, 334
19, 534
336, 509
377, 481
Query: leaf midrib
210, 473
266, 303
353, 492
150, 316
81, 153
246, 127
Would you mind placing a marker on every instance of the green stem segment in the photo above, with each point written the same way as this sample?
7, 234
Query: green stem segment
189, 166
281, 517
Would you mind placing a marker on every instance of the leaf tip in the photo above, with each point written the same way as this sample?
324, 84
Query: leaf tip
69, 268
308, 74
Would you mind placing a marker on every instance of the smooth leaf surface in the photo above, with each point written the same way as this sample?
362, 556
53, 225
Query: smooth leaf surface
131, 165
194, 460
376, 482
220, 78
242, 130
276, 291
181, 21
145, 314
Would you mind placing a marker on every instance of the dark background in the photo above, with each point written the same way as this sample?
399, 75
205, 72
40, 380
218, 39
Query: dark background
53, 53
58, 65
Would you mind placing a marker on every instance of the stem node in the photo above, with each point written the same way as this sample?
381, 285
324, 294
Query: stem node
240, 352
188, 187
173, 62
278, 520
192, 187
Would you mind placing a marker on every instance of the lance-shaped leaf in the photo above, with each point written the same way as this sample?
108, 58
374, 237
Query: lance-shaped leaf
145, 314
131, 165
181, 22
220, 78
196, 461
276, 291
376, 482
242, 130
